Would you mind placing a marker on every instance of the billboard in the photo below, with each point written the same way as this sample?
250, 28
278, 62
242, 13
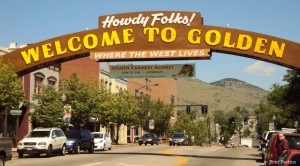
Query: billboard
153, 70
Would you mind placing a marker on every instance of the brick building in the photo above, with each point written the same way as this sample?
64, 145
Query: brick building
85, 68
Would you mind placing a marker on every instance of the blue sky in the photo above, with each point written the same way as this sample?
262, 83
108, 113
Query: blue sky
36, 20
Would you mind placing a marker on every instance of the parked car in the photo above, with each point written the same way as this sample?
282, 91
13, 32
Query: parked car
102, 141
78, 140
43, 140
271, 151
149, 138
179, 139
292, 158
264, 139
5, 150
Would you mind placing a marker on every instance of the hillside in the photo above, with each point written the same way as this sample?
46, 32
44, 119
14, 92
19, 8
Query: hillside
224, 94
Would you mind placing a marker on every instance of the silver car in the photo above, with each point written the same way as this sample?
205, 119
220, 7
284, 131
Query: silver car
179, 139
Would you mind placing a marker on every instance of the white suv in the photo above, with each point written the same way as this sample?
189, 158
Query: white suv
102, 141
43, 140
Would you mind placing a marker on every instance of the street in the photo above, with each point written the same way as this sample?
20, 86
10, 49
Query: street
161, 155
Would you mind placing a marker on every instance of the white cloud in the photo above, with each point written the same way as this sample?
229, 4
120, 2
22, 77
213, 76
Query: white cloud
260, 68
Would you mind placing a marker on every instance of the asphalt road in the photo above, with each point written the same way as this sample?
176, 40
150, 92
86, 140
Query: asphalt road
161, 155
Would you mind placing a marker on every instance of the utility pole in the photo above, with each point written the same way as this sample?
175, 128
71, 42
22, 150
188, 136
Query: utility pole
208, 124
5, 123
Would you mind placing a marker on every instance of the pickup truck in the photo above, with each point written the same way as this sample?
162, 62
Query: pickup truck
5, 150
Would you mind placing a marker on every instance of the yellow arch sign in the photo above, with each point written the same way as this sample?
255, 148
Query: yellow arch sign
156, 35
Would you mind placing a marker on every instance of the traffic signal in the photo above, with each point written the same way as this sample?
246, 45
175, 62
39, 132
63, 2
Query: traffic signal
188, 109
231, 120
204, 109
245, 121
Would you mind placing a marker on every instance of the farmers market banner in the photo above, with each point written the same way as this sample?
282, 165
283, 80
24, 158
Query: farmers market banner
174, 35
148, 71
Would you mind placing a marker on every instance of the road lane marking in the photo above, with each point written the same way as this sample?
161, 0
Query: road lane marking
123, 164
216, 149
92, 164
182, 160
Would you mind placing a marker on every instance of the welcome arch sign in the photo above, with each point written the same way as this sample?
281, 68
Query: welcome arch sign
155, 35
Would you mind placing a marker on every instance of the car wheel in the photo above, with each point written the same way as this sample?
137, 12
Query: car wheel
140, 144
63, 150
152, 144
21, 155
77, 149
91, 149
2, 161
49, 151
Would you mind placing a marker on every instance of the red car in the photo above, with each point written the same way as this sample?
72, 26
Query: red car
271, 157
293, 158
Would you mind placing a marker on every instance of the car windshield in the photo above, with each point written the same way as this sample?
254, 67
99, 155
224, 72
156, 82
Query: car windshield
294, 142
270, 135
33, 134
97, 135
73, 134
178, 136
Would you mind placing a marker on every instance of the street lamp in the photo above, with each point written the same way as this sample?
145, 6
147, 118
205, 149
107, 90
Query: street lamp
137, 90
274, 121
63, 97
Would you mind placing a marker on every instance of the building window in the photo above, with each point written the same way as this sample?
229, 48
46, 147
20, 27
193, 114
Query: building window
52, 81
38, 82
109, 86
55, 67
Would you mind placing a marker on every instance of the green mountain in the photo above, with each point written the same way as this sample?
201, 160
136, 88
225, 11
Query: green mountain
224, 94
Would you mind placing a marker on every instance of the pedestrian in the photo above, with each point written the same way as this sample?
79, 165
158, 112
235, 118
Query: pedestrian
282, 147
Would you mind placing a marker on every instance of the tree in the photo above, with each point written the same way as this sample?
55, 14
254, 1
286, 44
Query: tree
182, 124
282, 102
145, 108
161, 115
199, 132
11, 92
48, 108
156, 110
82, 97
103, 103
247, 132
123, 111
191, 124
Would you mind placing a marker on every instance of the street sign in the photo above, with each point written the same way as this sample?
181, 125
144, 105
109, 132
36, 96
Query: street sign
67, 113
271, 126
15, 112
151, 124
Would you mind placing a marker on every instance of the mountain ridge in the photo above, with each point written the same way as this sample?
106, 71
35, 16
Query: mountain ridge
224, 94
